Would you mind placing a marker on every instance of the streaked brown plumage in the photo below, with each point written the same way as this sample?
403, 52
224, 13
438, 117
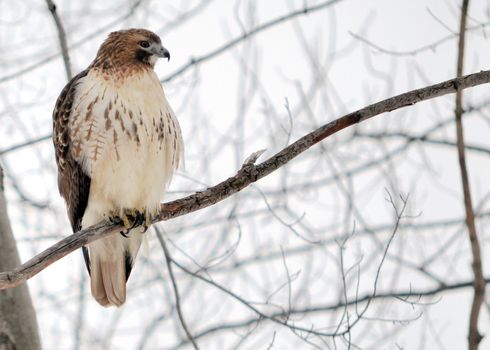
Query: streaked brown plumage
117, 143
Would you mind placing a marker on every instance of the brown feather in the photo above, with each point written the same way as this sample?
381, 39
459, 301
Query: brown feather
73, 183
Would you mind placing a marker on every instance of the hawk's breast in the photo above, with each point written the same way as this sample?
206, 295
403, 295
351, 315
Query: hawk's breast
126, 137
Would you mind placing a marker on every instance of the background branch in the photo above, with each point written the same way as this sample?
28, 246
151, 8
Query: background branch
61, 38
474, 336
168, 259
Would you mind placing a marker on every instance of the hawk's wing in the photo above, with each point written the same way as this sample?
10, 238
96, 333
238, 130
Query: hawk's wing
73, 183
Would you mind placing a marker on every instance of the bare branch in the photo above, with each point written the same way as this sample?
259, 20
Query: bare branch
168, 259
474, 336
25, 144
248, 174
429, 47
61, 38
422, 138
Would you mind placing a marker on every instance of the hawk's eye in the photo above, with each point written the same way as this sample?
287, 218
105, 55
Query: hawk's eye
145, 44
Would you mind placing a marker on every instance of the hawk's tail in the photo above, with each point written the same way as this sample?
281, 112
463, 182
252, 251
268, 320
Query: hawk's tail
110, 261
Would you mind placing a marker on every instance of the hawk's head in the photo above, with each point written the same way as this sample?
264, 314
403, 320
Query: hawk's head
131, 46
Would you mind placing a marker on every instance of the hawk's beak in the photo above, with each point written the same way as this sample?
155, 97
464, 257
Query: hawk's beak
160, 51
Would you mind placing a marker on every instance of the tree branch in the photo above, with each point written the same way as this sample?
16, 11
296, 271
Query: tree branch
61, 37
248, 174
413, 52
474, 336
25, 144
168, 259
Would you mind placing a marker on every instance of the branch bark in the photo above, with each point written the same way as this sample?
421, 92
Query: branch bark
474, 336
248, 174
18, 324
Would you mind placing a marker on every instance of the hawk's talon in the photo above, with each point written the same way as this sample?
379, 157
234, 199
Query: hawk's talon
116, 220
139, 219
126, 221
130, 219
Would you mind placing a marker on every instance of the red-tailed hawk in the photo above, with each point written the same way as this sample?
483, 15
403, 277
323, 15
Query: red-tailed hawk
117, 143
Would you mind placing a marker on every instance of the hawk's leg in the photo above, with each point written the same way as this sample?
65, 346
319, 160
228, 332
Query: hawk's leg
130, 218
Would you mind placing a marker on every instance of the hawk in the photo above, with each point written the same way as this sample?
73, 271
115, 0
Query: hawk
117, 143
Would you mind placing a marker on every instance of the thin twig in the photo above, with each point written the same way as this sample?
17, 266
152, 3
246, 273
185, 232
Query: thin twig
25, 144
168, 259
422, 138
399, 215
345, 313
430, 47
61, 38
248, 174
474, 336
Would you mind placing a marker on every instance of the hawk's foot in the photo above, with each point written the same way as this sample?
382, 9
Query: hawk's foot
115, 219
130, 218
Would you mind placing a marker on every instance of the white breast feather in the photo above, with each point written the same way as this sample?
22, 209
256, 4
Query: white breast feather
128, 140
